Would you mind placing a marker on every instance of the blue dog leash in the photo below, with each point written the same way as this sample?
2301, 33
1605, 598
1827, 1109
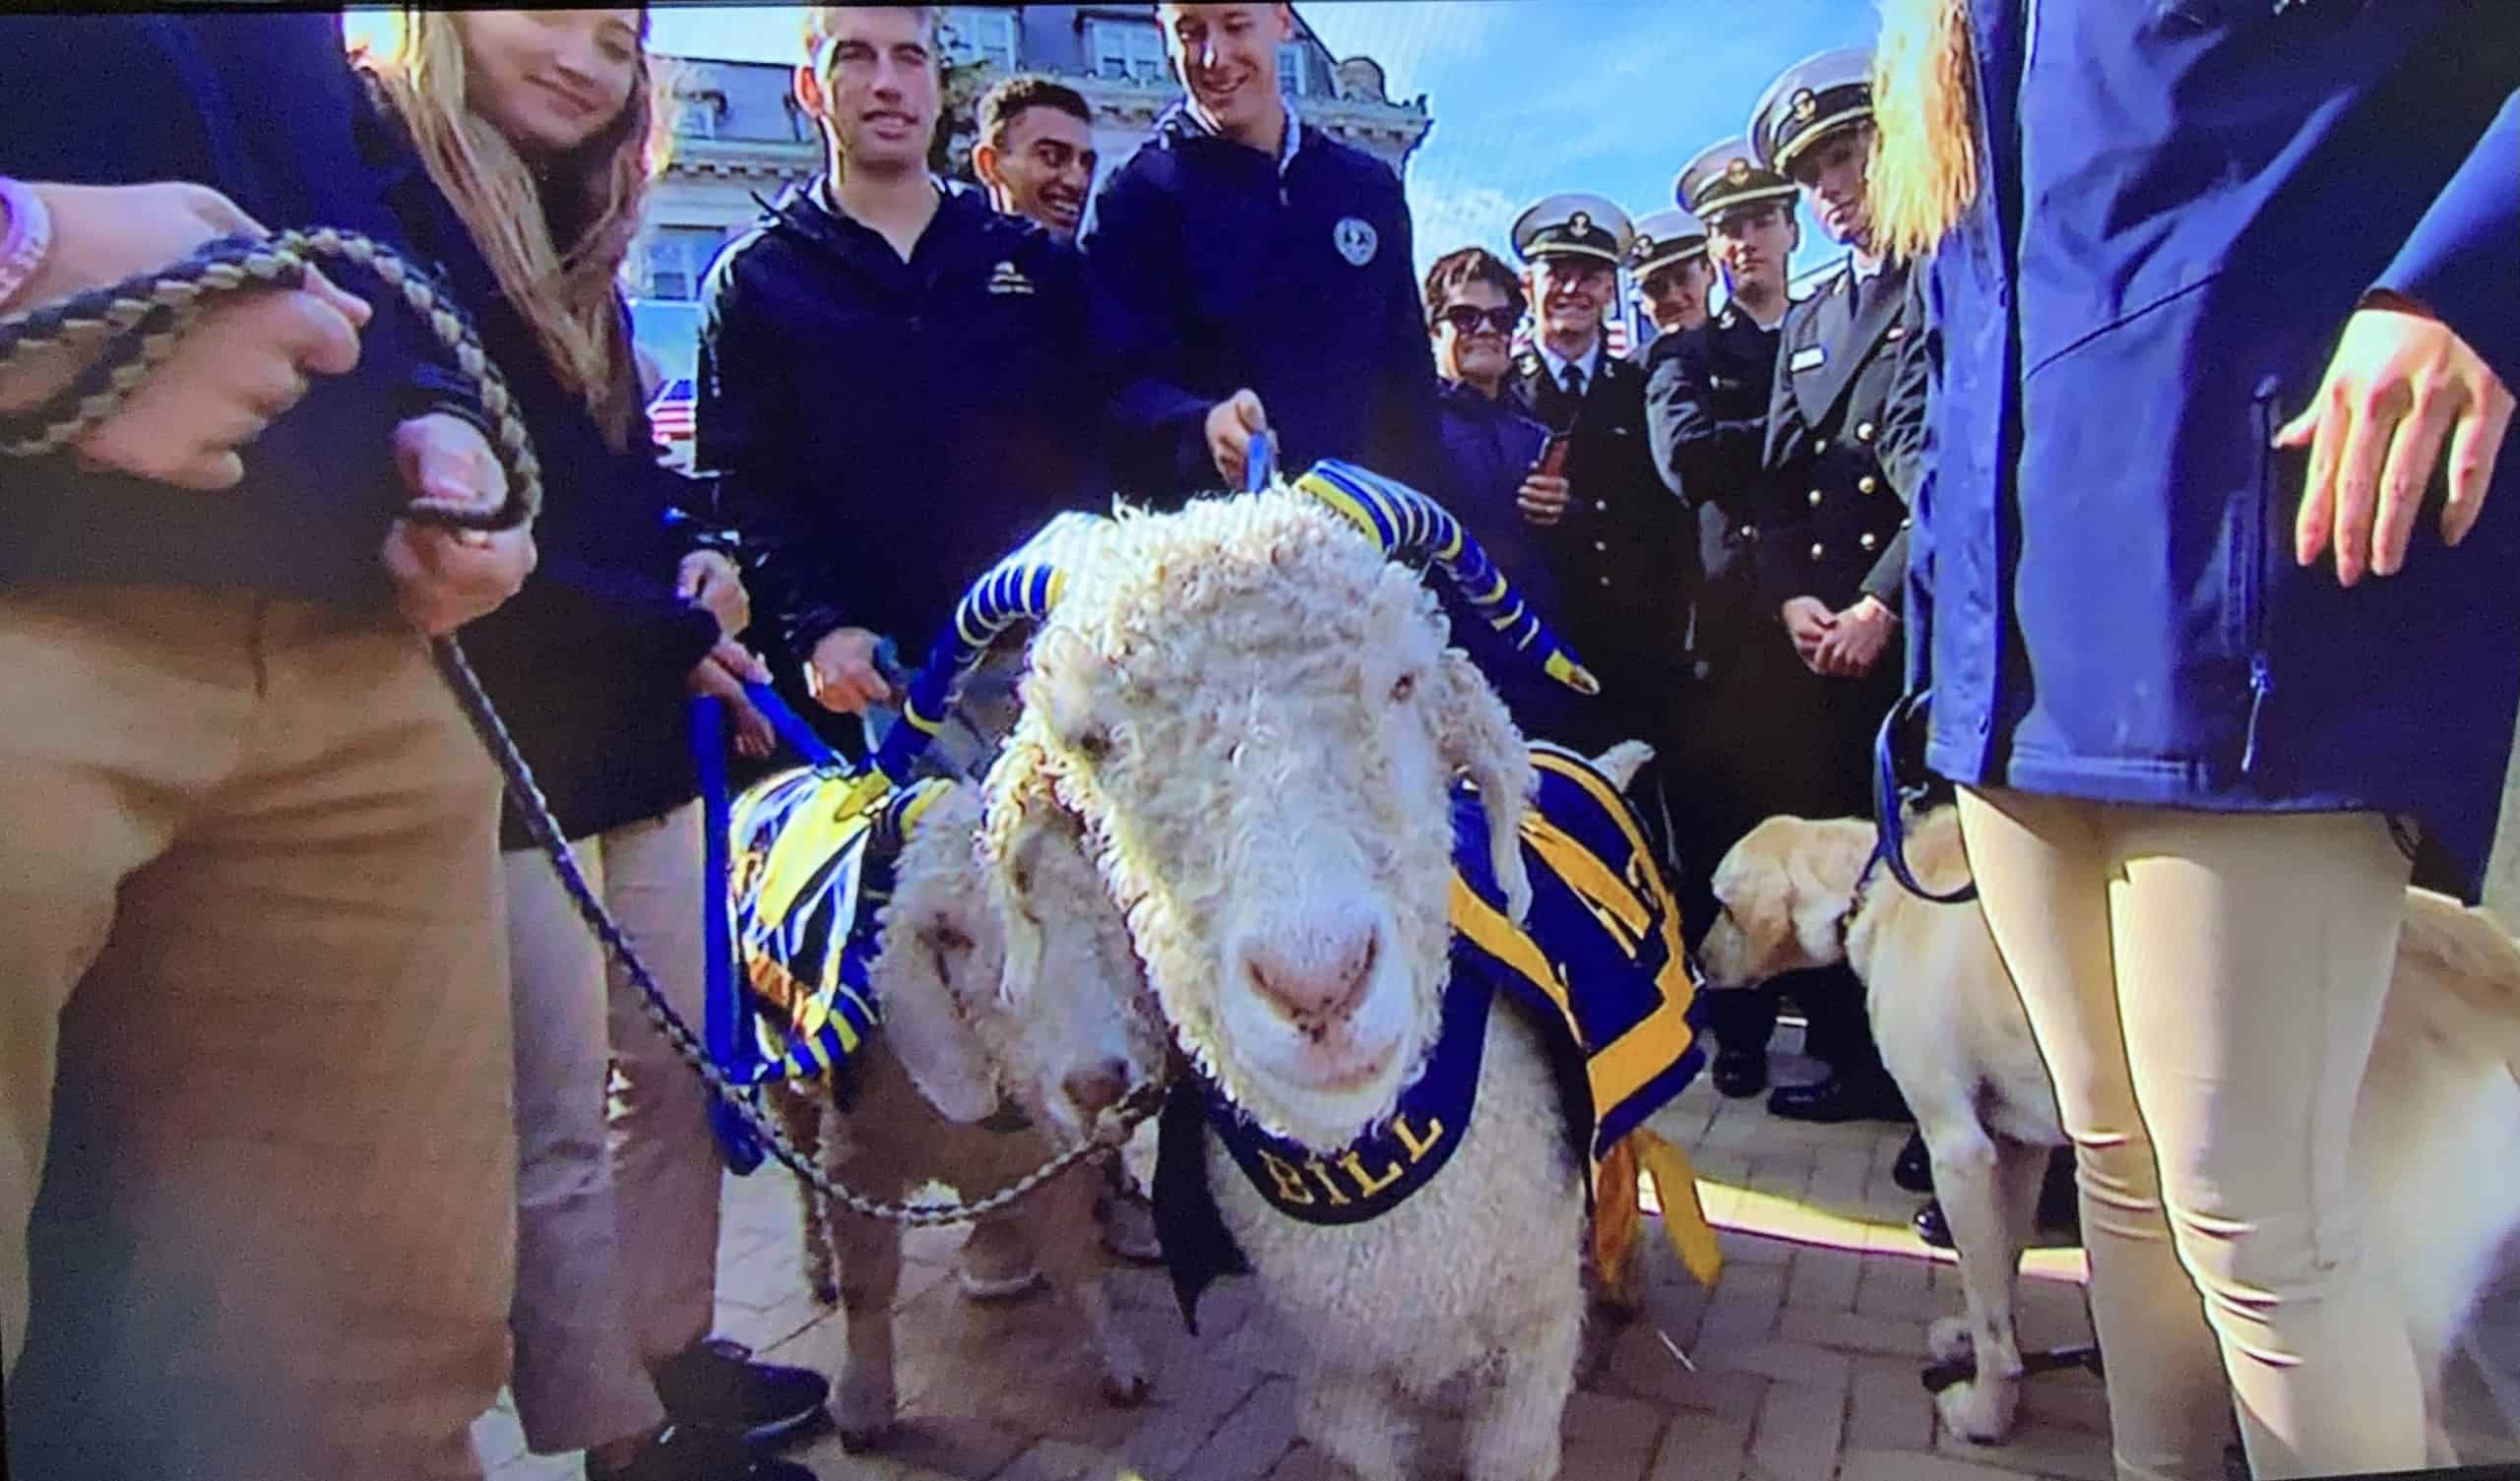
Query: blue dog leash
1889, 798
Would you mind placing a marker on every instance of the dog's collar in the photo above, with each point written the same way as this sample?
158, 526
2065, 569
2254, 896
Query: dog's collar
1863, 885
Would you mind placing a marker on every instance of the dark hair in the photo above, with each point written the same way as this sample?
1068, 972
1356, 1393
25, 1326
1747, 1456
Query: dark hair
1007, 101
1458, 269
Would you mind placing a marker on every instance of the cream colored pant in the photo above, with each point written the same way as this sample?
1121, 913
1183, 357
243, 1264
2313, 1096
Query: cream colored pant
617, 1206
2205, 988
256, 1143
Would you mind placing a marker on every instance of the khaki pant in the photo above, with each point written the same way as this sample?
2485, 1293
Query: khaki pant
256, 1141
617, 1214
2205, 988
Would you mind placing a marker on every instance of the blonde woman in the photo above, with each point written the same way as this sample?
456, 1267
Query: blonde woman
525, 141
2222, 290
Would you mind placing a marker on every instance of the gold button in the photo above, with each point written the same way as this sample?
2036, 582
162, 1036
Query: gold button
1864, 431
1815, 498
1749, 531
1867, 485
1599, 545
1600, 504
1819, 443
1817, 552
1867, 542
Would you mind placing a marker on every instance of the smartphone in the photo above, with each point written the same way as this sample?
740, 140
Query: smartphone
1553, 456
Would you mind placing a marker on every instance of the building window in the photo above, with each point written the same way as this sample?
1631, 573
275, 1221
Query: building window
675, 260
1290, 69
695, 114
980, 35
1127, 51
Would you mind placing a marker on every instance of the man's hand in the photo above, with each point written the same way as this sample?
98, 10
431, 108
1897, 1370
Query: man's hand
1808, 620
240, 366
1855, 642
2401, 383
723, 674
710, 577
1230, 425
1541, 498
842, 676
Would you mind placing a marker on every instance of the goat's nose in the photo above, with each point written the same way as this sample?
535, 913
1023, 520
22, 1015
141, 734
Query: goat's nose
1325, 982
1096, 1091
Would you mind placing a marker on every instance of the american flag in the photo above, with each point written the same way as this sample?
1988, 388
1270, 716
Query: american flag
670, 414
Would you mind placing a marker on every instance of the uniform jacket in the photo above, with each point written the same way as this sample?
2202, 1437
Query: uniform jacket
885, 431
1490, 447
1842, 375
265, 109
587, 662
1708, 394
1212, 267
2104, 600
1620, 554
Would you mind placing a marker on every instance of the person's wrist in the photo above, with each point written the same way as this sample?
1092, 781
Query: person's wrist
26, 238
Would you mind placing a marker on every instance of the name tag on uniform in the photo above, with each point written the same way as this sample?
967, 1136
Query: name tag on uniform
1810, 357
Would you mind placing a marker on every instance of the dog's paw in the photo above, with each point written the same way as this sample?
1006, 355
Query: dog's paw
863, 1412
1947, 1340
1980, 1411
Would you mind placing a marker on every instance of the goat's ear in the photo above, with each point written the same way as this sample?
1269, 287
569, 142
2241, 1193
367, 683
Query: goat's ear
1478, 737
931, 964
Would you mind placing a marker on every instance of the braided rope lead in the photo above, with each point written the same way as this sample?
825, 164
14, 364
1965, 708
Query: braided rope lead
138, 322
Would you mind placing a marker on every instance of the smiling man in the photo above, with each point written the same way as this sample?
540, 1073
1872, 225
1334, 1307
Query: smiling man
1249, 272
1035, 153
889, 392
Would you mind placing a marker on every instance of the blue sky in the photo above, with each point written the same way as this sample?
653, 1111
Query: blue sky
1529, 96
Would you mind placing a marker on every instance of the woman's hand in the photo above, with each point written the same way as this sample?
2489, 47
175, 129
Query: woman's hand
722, 677
710, 577
1541, 498
1855, 641
2400, 384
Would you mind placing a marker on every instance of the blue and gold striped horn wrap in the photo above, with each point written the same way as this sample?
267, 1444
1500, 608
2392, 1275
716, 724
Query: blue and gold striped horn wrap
1019, 588
1408, 525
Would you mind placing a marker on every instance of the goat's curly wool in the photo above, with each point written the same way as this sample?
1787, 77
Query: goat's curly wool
1254, 715
949, 1046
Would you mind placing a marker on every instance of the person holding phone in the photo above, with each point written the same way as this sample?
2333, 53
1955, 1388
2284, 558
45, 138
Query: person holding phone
1612, 537
1504, 470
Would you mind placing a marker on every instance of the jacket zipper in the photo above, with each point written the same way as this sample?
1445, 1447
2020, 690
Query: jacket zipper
2252, 557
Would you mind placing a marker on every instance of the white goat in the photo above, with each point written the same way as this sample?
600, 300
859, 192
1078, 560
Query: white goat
1256, 716
942, 950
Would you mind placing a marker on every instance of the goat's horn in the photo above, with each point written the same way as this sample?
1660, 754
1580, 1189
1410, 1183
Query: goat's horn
1019, 588
1408, 525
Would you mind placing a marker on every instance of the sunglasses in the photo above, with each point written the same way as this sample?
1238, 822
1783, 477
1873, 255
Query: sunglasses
1466, 320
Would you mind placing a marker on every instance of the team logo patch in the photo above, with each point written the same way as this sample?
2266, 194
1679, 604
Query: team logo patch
1355, 240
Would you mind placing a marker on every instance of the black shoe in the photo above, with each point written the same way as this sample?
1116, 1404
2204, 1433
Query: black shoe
1914, 1171
1930, 1226
1740, 1072
1835, 1099
684, 1453
716, 1385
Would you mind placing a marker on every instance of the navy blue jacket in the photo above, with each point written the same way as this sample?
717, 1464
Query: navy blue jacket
2102, 594
885, 431
1210, 270
263, 109
1489, 444
587, 663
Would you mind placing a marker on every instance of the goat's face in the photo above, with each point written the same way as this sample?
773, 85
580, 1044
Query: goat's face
1255, 718
1018, 981
1783, 893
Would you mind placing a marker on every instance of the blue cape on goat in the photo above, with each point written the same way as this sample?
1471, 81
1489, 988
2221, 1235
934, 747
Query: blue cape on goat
1600, 971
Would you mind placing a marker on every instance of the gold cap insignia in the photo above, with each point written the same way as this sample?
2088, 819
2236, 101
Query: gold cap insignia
1645, 246
1738, 171
1806, 105
1579, 223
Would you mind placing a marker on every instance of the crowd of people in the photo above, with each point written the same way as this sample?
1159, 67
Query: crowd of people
325, 1118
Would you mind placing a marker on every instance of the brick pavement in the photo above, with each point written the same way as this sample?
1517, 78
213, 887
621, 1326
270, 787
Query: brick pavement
1806, 1355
